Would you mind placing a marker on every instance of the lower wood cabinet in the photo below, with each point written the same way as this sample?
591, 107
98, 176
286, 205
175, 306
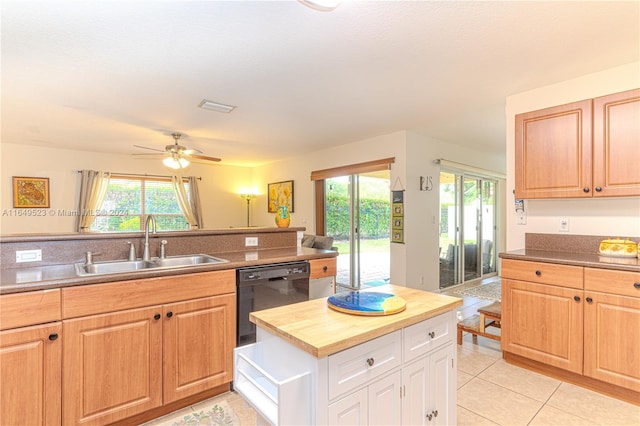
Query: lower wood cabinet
589, 327
543, 322
112, 366
120, 364
30, 359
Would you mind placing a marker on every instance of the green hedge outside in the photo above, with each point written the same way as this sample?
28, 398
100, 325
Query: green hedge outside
375, 218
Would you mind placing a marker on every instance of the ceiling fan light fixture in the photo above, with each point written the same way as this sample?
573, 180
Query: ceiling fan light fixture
321, 5
216, 106
175, 163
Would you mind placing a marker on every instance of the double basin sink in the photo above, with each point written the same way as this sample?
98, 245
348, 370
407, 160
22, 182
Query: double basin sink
122, 266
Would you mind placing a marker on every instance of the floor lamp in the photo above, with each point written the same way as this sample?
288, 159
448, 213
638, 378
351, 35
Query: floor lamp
248, 197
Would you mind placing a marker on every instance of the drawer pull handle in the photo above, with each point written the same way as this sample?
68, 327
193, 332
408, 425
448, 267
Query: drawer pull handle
589, 300
538, 273
576, 298
370, 362
169, 314
432, 334
598, 189
324, 268
435, 413
636, 285
157, 316
429, 416
53, 336
585, 189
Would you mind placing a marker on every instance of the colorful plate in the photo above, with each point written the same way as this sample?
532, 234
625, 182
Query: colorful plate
367, 303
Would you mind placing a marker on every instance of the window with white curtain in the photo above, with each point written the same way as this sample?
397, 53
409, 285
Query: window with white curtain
130, 199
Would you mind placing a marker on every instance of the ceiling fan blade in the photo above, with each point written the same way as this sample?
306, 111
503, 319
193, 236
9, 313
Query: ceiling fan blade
150, 154
204, 157
146, 147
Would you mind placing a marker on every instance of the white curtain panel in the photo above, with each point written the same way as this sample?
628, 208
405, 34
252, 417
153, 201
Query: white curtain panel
93, 189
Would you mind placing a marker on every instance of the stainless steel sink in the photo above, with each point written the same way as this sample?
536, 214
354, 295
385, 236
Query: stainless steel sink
112, 267
187, 260
122, 266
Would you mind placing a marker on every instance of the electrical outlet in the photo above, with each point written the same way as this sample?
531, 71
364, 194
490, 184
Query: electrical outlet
251, 241
28, 256
564, 224
522, 218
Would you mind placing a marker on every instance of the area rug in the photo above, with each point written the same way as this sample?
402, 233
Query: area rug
219, 413
491, 291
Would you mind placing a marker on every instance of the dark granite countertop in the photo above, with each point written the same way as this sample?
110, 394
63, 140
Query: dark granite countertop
590, 260
19, 280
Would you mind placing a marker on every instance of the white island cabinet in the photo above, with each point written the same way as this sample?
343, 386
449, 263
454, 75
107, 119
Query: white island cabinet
312, 365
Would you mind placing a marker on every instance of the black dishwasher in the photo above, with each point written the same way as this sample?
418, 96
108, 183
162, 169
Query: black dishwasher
264, 287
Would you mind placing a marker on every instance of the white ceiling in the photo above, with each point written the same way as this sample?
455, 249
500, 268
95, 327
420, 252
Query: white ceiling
105, 75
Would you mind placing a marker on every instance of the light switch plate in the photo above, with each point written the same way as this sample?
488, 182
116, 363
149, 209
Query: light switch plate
522, 218
28, 256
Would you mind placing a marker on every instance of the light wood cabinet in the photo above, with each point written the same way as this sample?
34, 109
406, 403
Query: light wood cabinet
322, 268
199, 337
123, 363
543, 323
590, 331
611, 324
589, 148
112, 366
30, 360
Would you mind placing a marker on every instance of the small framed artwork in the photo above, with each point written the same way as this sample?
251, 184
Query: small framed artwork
280, 194
398, 209
30, 192
398, 223
397, 236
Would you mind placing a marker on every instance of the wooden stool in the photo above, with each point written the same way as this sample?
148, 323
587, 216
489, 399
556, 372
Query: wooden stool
476, 324
493, 312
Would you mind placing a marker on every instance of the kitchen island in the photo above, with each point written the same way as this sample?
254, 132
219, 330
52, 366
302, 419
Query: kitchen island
314, 365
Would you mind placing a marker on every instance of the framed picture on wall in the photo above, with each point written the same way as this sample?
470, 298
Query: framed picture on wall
30, 192
280, 194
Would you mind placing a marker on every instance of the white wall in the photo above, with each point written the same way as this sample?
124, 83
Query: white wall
219, 187
602, 216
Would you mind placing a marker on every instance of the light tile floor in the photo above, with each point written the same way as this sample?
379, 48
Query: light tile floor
492, 392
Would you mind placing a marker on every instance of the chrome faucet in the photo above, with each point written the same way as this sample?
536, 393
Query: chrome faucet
152, 219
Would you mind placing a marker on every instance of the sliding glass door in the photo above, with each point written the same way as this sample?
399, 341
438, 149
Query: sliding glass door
357, 212
467, 227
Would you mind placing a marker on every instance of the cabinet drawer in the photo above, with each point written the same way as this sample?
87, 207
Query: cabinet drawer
543, 273
608, 281
118, 296
33, 307
355, 366
427, 335
321, 268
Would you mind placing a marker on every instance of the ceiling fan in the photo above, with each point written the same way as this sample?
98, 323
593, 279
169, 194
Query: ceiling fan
178, 156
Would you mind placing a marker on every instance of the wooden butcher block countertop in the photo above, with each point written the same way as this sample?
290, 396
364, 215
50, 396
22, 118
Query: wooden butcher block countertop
321, 331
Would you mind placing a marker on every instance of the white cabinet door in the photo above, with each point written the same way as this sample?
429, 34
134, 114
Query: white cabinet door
429, 392
415, 395
442, 382
384, 400
351, 410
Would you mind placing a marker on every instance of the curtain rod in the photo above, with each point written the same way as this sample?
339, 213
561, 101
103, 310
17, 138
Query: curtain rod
468, 168
142, 175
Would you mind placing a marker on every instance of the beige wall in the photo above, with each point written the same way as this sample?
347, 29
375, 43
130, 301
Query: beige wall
219, 187
602, 216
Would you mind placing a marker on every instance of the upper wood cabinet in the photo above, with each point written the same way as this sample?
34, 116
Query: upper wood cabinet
589, 148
